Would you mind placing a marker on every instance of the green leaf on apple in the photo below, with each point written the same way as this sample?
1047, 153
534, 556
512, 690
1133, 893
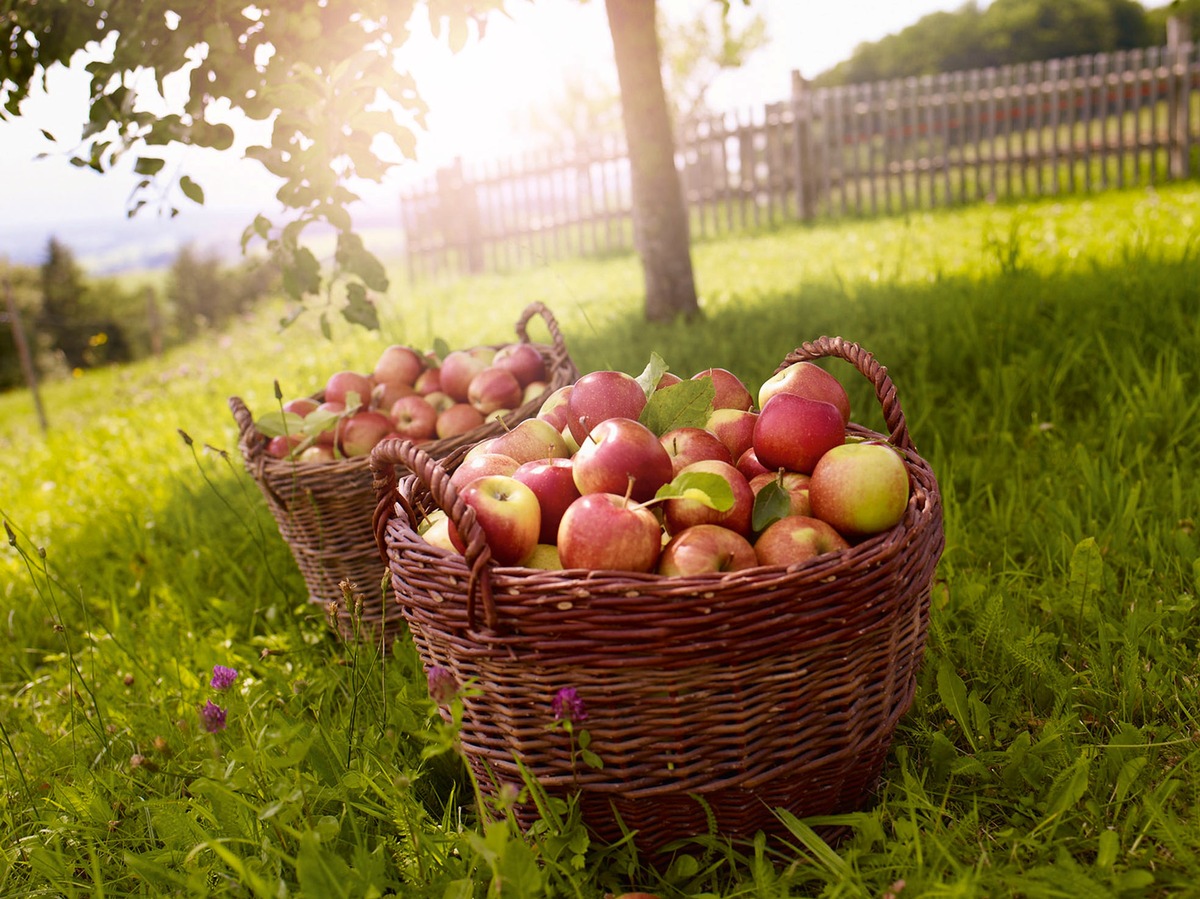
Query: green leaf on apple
320, 420
702, 486
279, 424
441, 349
684, 405
771, 504
652, 373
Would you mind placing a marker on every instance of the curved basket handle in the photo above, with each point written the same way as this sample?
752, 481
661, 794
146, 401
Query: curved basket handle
384, 462
885, 390
253, 444
559, 357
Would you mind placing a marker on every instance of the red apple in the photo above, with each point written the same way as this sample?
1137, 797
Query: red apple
728, 390
793, 485
458, 420
483, 464
358, 433
281, 446
385, 393
530, 440
429, 381
523, 360
860, 488
749, 465
341, 384
493, 389
607, 531
668, 378
554, 407
734, 428
797, 538
399, 365
599, 396
460, 367
553, 481
793, 432
507, 511
301, 406
808, 380
687, 445
680, 513
706, 548
414, 417
618, 451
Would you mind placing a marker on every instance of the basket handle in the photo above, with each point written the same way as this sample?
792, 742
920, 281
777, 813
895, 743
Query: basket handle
871, 369
384, 462
527, 314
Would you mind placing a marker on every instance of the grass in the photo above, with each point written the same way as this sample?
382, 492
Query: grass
1045, 355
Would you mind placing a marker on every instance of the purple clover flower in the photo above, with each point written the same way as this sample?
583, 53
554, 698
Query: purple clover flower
443, 686
222, 677
212, 716
567, 704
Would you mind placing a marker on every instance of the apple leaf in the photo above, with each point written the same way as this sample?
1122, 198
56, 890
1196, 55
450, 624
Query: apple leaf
771, 504
320, 420
682, 405
441, 349
702, 486
279, 423
652, 373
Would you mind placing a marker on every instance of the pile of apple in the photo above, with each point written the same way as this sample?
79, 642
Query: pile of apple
679, 477
416, 395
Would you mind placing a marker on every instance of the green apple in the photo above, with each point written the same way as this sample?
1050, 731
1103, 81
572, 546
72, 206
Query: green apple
860, 488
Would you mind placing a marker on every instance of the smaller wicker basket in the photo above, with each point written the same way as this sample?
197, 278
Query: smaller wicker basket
324, 509
732, 694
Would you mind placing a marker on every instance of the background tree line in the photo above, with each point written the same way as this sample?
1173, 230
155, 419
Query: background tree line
74, 321
1007, 32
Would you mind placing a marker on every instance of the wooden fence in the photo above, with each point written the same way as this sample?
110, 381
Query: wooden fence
1063, 126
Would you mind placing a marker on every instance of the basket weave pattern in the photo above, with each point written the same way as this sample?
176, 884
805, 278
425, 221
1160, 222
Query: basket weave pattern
324, 509
772, 687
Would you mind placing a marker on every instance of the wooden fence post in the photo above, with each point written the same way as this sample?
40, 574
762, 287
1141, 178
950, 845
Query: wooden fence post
27, 367
1178, 95
806, 205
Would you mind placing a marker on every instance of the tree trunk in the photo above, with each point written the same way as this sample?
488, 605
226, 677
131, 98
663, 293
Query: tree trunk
660, 216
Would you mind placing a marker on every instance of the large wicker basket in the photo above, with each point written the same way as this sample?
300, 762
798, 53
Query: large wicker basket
324, 509
735, 693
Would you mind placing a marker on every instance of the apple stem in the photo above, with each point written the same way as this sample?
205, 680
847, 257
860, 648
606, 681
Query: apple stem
628, 493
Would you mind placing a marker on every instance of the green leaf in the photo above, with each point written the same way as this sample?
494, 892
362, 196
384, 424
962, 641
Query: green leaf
278, 423
441, 349
652, 373
318, 421
1070, 786
703, 487
684, 405
192, 190
359, 310
148, 165
771, 504
1087, 569
953, 693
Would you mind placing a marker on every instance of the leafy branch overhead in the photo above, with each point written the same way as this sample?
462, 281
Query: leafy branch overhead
321, 73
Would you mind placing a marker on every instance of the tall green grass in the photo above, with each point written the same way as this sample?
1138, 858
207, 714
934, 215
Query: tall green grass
1047, 359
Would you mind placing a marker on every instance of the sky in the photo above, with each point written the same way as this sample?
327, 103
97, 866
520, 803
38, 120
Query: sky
473, 96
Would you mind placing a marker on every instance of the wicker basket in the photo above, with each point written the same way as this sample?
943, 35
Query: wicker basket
734, 693
324, 509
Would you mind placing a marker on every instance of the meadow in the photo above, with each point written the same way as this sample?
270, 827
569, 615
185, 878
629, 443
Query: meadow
1047, 356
